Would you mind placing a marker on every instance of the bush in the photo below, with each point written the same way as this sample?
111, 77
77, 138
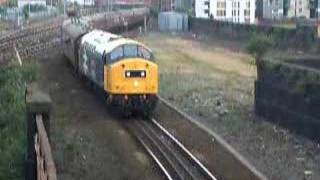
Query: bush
13, 80
258, 45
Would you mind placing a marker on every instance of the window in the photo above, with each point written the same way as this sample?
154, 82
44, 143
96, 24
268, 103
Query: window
206, 11
221, 12
221, 4
143, 52
247, 12
116, 54
130, 50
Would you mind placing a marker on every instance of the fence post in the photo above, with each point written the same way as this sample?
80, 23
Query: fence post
37, 102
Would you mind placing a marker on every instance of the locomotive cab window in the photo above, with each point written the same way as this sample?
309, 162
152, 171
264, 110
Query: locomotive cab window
130, 50
116, 54
127, 51
144, 53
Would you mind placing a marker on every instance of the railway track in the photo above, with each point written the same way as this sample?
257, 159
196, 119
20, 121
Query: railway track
42, 37
173, 158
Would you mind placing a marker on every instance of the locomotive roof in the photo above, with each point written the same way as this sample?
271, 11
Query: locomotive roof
105, 41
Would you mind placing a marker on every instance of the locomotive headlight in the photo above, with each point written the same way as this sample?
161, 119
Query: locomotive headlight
127, 74
143, 74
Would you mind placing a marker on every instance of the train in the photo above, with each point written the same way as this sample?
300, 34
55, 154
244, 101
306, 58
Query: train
120, 69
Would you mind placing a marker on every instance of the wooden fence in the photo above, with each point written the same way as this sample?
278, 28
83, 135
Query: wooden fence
39, 160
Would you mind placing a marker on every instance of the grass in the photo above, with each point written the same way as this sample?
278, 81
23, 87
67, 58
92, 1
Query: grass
13, 80
200, 78
4, 25
216, 86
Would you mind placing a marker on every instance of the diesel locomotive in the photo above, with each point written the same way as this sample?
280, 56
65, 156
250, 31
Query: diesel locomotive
121, 69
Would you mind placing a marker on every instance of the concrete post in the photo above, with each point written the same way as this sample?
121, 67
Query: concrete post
37, 102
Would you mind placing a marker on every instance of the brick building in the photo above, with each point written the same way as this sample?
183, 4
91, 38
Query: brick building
3, 2
122, 2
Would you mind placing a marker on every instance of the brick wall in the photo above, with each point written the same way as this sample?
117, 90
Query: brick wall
289, 94
303, 37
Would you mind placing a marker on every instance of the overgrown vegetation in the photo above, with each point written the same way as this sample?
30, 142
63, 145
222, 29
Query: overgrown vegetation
13, 80
259, 45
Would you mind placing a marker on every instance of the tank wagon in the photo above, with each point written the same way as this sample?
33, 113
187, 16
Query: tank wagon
121, 69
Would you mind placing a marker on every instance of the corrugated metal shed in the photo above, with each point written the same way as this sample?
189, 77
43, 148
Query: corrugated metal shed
172, 21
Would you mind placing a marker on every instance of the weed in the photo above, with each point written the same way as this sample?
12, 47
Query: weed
259, 44
13, 80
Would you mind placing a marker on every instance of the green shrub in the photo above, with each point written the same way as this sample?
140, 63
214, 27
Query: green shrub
258, 45
13, 80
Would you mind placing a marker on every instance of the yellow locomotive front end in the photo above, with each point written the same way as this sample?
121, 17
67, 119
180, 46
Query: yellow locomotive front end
131, 77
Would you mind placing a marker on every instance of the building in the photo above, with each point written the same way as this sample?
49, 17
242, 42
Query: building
202, 8
104, 3
259, 9
130, 2
2, 2
167, 5
273, 9
22, 3
298, 8
183, 5
171, 5
82, 2
237, 11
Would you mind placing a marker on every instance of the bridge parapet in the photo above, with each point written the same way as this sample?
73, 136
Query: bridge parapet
39, 160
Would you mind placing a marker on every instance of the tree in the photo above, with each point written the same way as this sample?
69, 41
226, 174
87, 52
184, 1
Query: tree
259, 45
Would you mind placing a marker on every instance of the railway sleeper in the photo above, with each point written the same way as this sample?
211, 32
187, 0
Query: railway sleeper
183, 159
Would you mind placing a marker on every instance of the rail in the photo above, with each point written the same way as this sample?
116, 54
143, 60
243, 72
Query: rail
43, 37
39, 161
186, 151
172, 157
226, 162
